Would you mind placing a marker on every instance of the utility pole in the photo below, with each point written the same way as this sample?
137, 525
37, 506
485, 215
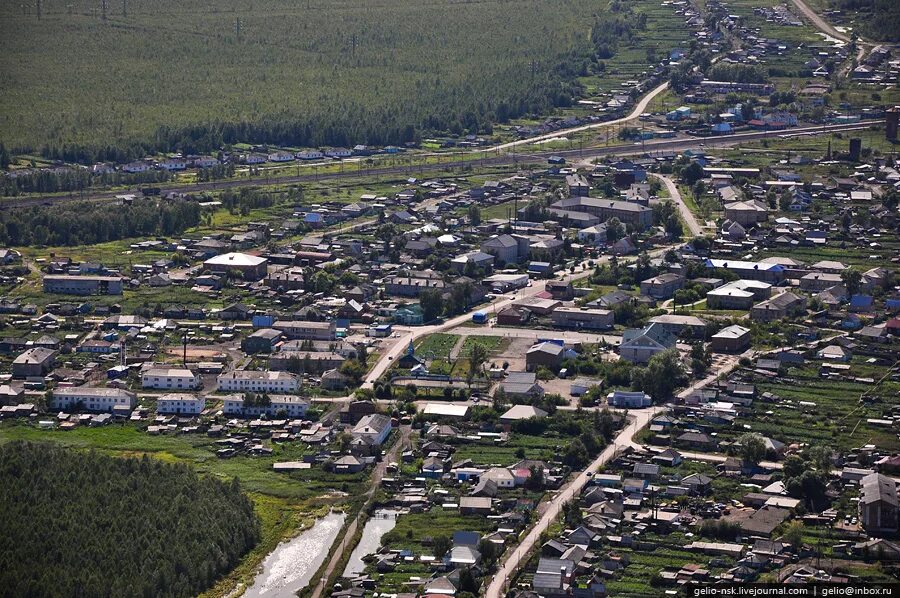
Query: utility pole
39, 9
237, 27
103, 9
124, 8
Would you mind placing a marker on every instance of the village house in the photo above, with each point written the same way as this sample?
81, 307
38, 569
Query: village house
587, 319
662, 286
780, 306
545, 354
638, 216
83, 285
628, 400
521, 385
261, 341
372, 429
730, 339
251, 267
34, 362
507, 249
739, 294
639, 345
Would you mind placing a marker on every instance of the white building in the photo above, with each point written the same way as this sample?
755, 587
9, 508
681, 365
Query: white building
170, 379
373, 428
293, 406
257, 381
180, 404
101, 400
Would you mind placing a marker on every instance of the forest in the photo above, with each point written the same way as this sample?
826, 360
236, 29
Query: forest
877, 20
86, 223
161, 75
84, 524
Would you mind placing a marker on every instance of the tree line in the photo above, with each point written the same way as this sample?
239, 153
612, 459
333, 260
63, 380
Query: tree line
85, 223
85, 524
46, 180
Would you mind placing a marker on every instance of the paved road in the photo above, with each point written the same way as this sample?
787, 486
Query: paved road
567, 493
624, 440
686, 214
639, 109
386, 358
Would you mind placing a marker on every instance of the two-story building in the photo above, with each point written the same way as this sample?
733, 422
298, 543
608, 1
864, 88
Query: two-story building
180, 404
163, 378
258, 381
291, 406
96, 400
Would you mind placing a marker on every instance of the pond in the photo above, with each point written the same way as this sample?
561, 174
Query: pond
381, 522
292, 564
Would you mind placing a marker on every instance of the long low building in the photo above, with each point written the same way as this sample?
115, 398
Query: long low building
638, 216
180, 404
288, 405
292, 329
589, 319
740, 294
780, 306
83, 285
251, 267
98, 400
306, 362
766, 272
258, 381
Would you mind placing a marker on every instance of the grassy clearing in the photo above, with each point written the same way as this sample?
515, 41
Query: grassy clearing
492, 344
414, 531
535, 447
437, 346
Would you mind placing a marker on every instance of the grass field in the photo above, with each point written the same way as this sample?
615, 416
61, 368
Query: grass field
536, 447
72, 77
492, 344
437, 346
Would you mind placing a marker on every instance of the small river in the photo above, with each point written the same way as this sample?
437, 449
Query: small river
292, 564
381, 522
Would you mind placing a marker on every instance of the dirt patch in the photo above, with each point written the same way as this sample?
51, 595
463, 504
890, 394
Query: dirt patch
198, 353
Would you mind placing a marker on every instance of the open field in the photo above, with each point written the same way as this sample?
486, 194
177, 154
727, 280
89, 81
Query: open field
323, 72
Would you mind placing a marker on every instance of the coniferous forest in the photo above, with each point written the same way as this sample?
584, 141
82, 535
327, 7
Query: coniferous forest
161, 75
83, 524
